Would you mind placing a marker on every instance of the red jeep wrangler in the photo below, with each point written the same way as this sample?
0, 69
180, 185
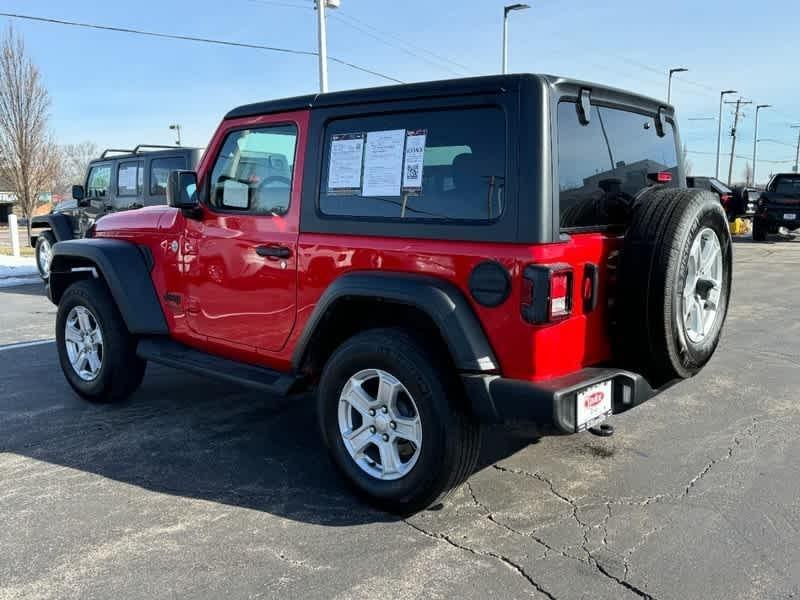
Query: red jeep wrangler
428, 257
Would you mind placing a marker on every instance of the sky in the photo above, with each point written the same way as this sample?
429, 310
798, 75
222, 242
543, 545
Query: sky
119, 90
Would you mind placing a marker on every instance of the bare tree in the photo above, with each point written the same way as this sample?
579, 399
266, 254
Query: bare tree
75, 160
28, 154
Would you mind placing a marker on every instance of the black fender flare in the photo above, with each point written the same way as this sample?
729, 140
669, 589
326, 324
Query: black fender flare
125, 268
60, 225
442, 301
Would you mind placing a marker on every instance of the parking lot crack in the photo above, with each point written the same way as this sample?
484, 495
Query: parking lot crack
749, 431
503, 559
621, 581
585, 527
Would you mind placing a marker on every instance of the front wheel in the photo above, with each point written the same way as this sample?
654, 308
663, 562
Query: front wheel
44, 253
390, 416
96, 351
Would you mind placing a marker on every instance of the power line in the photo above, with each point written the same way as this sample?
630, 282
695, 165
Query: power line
353, 21
189, 38
764, 160
776, 142
437, 60
403, 49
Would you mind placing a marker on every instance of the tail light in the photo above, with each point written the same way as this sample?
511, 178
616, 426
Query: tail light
725, 198
660, 177
546, 293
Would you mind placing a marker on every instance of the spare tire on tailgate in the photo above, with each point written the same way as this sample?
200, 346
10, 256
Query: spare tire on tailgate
674, 283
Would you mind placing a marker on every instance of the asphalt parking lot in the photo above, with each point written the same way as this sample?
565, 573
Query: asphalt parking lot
197, 489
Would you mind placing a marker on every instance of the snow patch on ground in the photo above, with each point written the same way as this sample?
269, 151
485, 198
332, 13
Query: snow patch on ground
17, 270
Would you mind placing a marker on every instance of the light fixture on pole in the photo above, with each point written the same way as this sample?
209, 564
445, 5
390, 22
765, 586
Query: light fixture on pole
177, 129
506, 10
719, 126
755, 142
322, 33
669, 80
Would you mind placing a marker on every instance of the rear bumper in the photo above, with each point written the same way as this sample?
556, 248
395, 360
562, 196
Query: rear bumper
774, 217
551, 403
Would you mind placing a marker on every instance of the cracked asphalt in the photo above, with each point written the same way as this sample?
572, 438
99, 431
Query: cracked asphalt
196, 489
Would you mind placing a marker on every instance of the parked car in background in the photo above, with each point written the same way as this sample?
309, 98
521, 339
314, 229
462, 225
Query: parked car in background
745, 199
714, 185
118, 180
778, 206
427, 257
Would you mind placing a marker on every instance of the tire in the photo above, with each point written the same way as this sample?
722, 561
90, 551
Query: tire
120, 371
657, 338
450, 437
759, 231
44, 253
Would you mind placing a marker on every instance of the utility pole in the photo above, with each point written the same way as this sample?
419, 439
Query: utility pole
669, 81
797, 152
323, 41
506, 10
719, 126
738, 104
755, 141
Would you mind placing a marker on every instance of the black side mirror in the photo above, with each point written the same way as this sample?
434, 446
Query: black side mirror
182, 190
78, 194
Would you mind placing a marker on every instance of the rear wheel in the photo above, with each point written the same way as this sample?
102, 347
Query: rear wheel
392, 420
675, 282
44, 253
95, 349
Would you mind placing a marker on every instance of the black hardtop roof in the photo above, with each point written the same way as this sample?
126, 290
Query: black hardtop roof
142, 150
431, 89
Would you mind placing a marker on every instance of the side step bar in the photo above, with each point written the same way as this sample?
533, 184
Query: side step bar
174, 354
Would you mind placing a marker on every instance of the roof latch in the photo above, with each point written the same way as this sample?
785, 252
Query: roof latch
584, 106
660, 122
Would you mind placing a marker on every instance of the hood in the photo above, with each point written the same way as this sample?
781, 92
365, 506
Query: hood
65, 205
153, 218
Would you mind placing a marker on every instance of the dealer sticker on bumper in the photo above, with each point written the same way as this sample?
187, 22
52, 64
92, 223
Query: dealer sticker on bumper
594, 405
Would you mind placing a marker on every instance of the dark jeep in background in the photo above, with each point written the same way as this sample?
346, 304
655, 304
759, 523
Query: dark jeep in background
778, 206
118, 180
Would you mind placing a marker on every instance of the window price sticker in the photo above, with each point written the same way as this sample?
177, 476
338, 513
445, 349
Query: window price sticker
414, 159
344, 171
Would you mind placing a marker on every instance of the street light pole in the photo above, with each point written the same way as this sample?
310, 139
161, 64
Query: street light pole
719, 126
323, 41
797, 152
177, 129
506, 10
669, 81
755, 142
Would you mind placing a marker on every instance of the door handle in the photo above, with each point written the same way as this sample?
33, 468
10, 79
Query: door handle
274, 251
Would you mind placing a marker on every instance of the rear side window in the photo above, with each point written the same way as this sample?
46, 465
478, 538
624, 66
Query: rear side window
98, 181
159, 173
604, 164
129, 178
445, 165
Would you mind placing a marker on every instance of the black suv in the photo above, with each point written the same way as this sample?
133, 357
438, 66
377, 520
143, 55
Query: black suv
118, 180
778, 206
